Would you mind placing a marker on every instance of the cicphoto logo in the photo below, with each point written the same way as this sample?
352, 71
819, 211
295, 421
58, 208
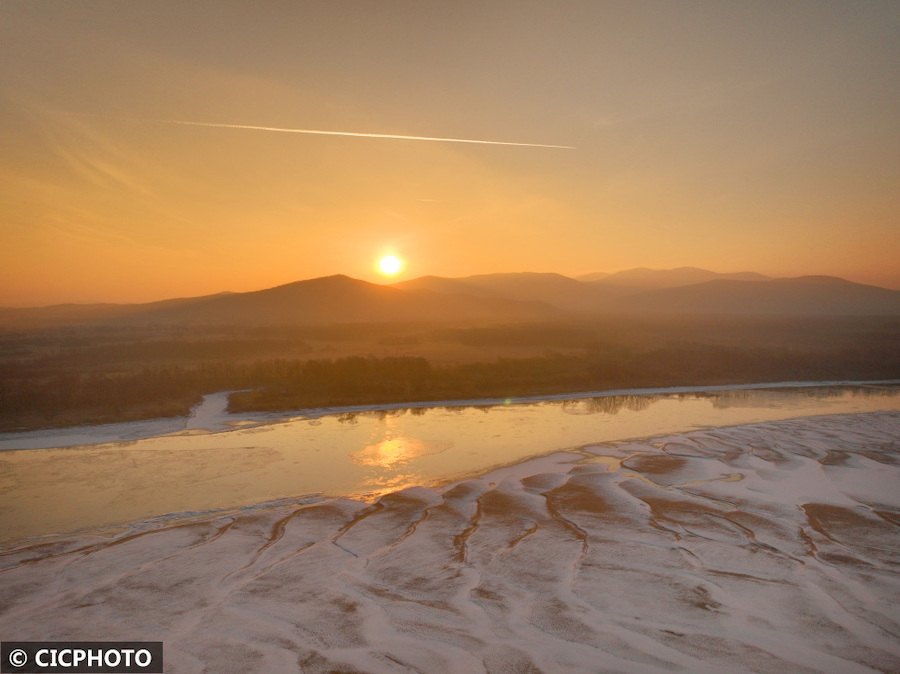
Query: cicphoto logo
81, 656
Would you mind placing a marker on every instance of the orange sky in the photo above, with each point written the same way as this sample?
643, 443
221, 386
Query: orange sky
729, 136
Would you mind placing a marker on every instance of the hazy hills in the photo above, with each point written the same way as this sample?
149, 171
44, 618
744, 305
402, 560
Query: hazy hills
320, 301
655, 279
802, 296
592, 293
686, 290
550, 289
487, 298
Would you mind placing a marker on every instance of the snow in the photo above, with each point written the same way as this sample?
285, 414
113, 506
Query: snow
765, 547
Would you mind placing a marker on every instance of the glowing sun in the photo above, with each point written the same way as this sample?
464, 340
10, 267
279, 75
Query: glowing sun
390, 265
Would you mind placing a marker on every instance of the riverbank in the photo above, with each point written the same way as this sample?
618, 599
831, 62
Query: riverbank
212, 413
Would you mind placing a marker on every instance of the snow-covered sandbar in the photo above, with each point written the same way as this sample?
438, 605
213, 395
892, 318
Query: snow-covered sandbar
769, 547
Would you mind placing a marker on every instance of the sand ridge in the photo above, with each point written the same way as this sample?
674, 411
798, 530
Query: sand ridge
766, 547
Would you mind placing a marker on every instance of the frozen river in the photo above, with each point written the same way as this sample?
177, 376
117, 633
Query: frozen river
706, 531
212, 461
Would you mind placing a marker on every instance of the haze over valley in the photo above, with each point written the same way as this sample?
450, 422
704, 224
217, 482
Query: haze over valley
337, 340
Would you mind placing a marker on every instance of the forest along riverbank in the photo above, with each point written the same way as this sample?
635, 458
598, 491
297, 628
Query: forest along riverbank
54, 378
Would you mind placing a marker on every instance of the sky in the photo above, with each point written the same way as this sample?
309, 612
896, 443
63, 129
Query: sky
733, 136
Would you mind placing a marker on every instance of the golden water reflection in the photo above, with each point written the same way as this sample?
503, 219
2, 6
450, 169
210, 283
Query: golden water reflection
389, 452
388, 459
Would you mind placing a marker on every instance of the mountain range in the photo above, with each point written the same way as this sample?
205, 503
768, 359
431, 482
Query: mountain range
487, 298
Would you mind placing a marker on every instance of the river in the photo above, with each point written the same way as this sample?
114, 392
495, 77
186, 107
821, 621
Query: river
212, 462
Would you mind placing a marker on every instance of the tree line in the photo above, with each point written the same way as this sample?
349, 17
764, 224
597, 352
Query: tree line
43, 398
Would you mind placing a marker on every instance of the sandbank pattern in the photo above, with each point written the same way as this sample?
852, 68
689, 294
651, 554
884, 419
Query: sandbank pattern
763, 548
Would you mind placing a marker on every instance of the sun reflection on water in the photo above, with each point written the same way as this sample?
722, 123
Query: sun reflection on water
387, 453
396, 451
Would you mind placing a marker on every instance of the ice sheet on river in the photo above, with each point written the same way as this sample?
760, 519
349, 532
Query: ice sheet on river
770, 547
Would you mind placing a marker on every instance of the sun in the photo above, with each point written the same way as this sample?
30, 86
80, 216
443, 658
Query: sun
390, 265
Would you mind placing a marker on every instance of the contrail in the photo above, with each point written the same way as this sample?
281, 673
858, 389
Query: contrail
318, 132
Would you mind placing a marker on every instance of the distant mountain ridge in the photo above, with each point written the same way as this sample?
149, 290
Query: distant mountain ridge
686, 290
645, 278
489, 298
554, 289
801, 296
320, 301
